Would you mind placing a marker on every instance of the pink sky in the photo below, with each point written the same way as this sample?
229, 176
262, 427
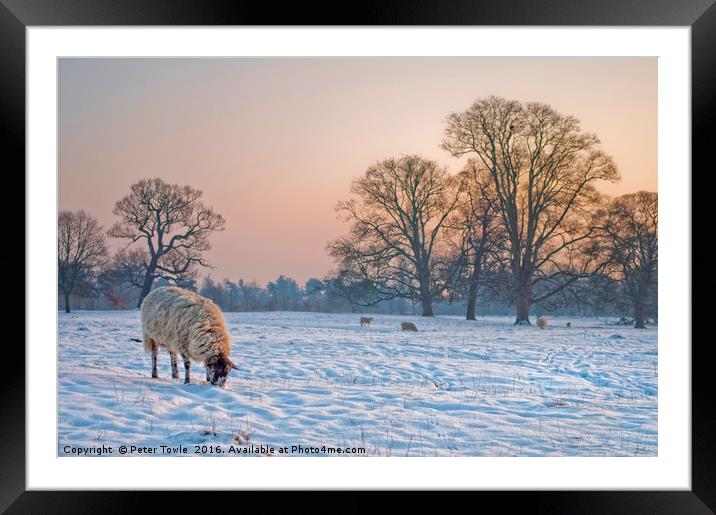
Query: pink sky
275, 142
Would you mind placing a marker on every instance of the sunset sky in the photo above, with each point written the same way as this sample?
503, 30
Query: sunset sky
275, 142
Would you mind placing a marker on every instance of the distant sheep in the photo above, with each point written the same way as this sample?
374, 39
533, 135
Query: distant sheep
186, 323
365, 321
569, 324
408, 326
541, 322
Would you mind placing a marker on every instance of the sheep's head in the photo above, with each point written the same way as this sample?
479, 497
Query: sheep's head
218, 369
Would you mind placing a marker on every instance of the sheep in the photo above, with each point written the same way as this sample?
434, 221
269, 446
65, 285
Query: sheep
408, 326
365, 321
541, 322
569, 324
186, 323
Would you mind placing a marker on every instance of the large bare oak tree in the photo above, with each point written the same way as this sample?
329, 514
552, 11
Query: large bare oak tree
172, 223
543, 169
82, 251
398, 215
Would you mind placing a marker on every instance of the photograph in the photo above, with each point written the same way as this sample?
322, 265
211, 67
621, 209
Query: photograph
366, 256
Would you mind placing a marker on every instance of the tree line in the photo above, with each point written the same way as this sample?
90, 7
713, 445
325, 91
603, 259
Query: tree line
521, 224
523, 219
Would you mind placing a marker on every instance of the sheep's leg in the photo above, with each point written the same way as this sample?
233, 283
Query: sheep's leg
187, 368
155, 375
175, 369
151, 346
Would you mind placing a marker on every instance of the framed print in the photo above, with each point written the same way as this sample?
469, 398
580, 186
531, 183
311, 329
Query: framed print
274, 252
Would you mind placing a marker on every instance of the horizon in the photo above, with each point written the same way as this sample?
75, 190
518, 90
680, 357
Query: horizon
274, 143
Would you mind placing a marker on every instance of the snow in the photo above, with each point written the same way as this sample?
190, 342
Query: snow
454, 388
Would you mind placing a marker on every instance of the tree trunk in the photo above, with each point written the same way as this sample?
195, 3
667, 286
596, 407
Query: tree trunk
523, 308
67, 302
148, 282
427, 303
472, 292
426, 298
639, 322
471, 302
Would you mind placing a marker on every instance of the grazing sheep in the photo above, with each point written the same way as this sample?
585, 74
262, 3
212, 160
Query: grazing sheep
186, 323
408, 326
365, 321
541, 322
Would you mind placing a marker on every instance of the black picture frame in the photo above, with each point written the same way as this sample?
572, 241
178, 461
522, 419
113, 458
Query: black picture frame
16, 15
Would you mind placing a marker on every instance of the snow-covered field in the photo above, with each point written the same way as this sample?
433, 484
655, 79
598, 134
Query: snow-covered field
455, 388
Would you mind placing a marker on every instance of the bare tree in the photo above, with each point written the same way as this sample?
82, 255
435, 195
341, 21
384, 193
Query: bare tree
630, 227
398, 217
543, 169
173, 224
480, 233
82, 251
